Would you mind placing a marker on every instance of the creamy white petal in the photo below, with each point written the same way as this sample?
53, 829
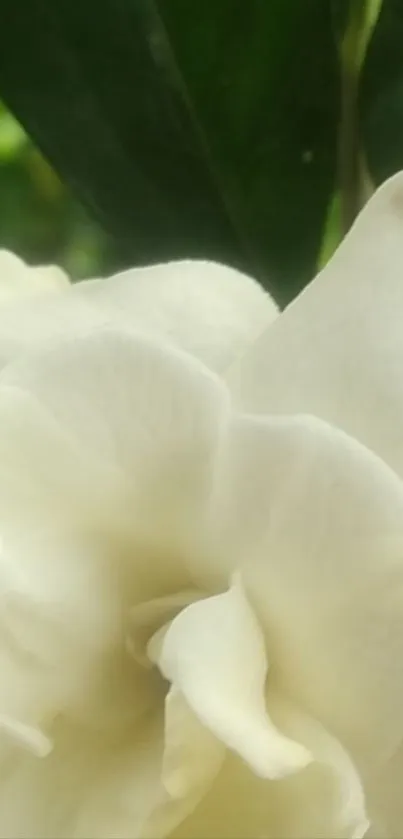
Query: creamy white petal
214, 654
211, 311
88, 786
28, 325
315, 521
62, 632
323, 801
148, 617
340, 809
19, 281
113, 429
337, 351
106, 453
128, 799
192, 754
99, 769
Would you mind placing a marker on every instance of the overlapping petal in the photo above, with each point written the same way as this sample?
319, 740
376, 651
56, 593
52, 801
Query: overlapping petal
90, 785
323, 801
337, 351
107, 449
315, 521
129, 496
214, 654
114, 429
211, 311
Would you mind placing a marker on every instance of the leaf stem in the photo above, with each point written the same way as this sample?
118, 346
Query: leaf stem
363, 15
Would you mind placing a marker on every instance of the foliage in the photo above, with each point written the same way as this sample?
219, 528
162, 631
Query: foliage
246, 132
38, 217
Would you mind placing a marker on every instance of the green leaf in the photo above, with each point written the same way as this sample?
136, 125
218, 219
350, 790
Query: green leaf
381, 101
197, 128
12, 136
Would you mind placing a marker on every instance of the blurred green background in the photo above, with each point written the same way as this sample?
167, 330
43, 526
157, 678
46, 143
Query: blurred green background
39, 217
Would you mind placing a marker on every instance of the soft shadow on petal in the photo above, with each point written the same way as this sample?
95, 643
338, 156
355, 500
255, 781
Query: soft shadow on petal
110, 430
337, 351
323, 801
62, 632
148, 617
341, 808
128, 798
192, 754
385, 797
214, 654
92, 784
315, 520
88, 786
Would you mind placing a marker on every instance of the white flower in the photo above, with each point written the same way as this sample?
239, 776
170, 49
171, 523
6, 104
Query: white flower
201, 566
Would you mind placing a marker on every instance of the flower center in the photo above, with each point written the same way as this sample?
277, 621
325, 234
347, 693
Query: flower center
149, 618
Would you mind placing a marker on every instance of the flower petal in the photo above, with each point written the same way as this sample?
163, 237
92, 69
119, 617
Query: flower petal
128, 799
341, 808
112, 428
87, 786
62, 650
148, 617
213, 652
211, 311
323, 801
192, 754
337, 351
315, 521
18, 280
107, 449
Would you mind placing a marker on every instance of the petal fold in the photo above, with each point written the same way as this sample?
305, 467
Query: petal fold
192, 754
315, 522
214, 653
210, 310
113, 431
323, 801
337, 350
207, 310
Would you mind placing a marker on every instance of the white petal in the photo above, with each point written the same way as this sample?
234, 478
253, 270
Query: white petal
112, 428
323, 801
337, 351
18, 280
148, 617
128, 799
210, 311
385, 796
28, 736
192, 754
62, 631
214, 653
341, 807
316, 521
88, 786
106, 454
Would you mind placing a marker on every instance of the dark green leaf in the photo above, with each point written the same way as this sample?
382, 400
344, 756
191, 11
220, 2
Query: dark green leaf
190, 127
